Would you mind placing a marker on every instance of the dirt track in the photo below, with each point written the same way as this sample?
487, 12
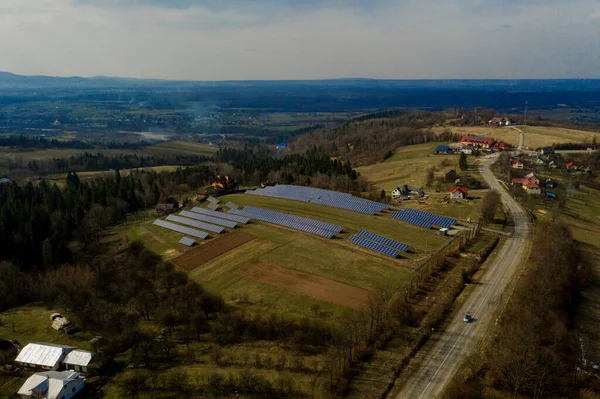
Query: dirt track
307, 284
212, 249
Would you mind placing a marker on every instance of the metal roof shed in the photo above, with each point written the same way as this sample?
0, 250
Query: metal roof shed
78, 360
41, 355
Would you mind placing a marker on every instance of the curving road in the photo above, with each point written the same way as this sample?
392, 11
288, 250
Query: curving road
444, 354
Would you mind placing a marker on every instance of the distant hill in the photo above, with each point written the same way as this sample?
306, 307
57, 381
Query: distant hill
11, 79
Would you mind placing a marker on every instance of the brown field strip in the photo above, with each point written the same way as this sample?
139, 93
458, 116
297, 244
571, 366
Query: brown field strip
307, 284
211, 250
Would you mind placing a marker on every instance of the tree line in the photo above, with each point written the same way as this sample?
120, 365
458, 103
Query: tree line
99, 161
34, 142
371, 138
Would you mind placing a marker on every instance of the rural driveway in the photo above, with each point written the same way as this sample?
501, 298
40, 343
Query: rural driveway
521, 138
443, 354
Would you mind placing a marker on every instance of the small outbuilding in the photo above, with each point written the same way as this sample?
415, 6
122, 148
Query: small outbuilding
442, 149
518, 164
78, 360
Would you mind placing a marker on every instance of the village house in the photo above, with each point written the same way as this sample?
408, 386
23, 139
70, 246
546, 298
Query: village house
518, 164
407, 190
537, 161
571, 167
52, 385
459, 193
170, 206
483, 142
531, 187
42, 356
549, 183
500, 121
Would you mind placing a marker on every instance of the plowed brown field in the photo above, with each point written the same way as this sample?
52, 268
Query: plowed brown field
211, 250
307, 284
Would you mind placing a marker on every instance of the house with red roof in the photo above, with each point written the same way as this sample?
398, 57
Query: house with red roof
459, 193
518, 164
571, 166
483, 142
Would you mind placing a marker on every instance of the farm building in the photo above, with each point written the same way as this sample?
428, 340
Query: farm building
500, 121
4, 180
459, 193
549, 183
78, 360
443, 149
407, 190
44, 356
518, 164
450, 175
547, 151
483, 142
170, 206
52, 385
571, 167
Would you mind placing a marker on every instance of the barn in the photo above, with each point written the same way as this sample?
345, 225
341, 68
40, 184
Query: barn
42, 356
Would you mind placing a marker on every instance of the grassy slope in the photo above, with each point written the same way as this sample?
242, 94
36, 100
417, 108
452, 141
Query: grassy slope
535, 136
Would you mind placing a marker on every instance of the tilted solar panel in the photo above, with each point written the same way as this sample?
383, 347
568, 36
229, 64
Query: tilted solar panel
187, 241
374, 246
228, 216
194, 223
181, 229
209, 219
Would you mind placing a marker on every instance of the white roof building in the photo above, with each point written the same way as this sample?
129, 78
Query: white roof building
78, 360
52, 385
46, 356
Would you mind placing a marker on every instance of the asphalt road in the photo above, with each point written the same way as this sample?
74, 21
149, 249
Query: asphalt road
444, 354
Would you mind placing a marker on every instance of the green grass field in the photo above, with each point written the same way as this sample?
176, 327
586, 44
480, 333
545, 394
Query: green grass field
179, 148
408, 165
334, 259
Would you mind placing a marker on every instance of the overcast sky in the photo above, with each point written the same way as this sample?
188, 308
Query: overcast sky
302, 39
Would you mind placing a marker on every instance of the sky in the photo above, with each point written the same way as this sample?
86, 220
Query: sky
302, 39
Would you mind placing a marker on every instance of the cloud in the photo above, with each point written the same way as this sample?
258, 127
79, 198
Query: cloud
284, 39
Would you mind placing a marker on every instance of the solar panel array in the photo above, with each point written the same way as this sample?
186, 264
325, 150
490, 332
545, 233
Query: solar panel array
194, 223
209, 219
181, 229
423, 219
299, 219
212, 200
281, 219
187, 241
388, 242
232, 205
228, 216
321, 197
374, 246
213, 206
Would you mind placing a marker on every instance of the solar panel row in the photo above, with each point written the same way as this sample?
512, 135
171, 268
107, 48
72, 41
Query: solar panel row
423, 219
299, 219
221, 215
282, 220
187, 241
321, 197
388, 242
212, 200
181, 229
194, 223
209, 219
374, 246
232, 205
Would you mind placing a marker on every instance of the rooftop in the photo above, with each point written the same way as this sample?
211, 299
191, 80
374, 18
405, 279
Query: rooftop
42, 354
78, 357
47, 384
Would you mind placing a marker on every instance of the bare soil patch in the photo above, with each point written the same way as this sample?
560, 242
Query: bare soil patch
211, 250
307, 284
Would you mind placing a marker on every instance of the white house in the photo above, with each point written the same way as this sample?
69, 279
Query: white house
44, 356
78, 360
52, 385
459, 193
